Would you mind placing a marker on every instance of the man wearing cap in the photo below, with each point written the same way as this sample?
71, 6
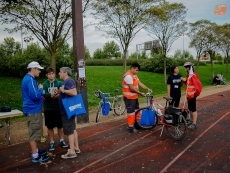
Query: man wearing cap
32, 108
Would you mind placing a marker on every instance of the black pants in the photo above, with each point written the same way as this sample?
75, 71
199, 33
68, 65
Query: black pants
175, 102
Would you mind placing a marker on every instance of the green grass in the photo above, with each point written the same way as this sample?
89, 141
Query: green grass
105, 78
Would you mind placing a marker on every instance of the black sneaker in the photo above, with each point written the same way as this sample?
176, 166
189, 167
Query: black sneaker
42, 152
192, 126
52, 146
63, 144
40, 159
133, 130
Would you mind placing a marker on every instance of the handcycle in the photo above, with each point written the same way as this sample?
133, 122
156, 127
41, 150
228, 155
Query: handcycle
109, 103
173, 119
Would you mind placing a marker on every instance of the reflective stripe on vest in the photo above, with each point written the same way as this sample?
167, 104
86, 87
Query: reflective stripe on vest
126, 90
190, 90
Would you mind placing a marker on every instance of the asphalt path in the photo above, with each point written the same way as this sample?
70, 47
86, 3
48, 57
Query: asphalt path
108, 147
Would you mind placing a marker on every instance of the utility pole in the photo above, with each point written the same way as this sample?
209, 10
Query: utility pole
79, 56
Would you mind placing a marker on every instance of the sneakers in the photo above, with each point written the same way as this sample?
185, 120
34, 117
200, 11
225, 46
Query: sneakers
192, 126
133, 130
78, 151
40, 158
68, 155
43, 139
63, 144
52, 146
42, 152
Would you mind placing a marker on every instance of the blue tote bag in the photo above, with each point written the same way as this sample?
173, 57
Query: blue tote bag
105, 108
74, 105
148, 117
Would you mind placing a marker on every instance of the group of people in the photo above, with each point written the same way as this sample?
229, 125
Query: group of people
131, 91
48, 96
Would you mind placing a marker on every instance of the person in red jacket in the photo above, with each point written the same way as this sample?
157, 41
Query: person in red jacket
190, 94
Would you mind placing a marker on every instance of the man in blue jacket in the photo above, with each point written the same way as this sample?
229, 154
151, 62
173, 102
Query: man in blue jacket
32, 108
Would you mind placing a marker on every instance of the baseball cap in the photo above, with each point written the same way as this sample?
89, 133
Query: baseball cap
34, 64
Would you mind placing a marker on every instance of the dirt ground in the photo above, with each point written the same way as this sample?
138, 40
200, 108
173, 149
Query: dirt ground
19, 131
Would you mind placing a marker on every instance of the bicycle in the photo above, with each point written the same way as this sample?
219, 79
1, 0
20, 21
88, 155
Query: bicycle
173, 119
109, 103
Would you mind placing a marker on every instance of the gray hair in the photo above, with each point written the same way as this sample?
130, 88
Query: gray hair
67, 70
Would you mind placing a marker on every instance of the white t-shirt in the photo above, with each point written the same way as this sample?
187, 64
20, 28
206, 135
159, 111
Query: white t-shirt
129, 80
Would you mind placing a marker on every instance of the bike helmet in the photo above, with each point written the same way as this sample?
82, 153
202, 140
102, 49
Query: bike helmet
188, 64
6, 109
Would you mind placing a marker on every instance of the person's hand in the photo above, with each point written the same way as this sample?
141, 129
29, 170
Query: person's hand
149, 90
40, 86
61, 89
183, 79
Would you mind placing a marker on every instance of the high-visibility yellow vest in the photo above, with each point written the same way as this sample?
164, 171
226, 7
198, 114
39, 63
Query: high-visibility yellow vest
126, 90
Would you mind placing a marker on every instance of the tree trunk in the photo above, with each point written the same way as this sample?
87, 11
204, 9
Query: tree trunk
198, 61
124, 64
226, 63
53, 61
165, 77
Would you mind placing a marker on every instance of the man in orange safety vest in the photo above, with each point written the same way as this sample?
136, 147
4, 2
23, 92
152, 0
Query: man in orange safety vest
131, 91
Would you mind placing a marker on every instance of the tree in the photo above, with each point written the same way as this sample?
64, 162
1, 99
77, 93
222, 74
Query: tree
196, 42
99, 54
50, 21
87, 53
206, 41
168, 28
182, 55
8, 48
121, 19
223, 34
111, 50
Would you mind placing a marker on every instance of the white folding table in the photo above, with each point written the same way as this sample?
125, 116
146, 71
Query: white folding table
7, 116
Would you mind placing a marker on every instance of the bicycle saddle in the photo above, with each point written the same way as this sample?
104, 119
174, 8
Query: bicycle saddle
168, 98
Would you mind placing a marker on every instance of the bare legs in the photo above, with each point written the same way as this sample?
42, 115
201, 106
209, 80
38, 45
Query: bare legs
51, 134
193, 116
73, 142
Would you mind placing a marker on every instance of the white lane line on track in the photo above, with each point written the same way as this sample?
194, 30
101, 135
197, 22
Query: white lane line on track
182, 152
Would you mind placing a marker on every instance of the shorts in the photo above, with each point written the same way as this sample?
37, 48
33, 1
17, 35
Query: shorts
131, 105
68, 125
53, 119
192, 104
34, 123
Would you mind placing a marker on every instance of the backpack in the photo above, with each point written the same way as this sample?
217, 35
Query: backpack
197, 84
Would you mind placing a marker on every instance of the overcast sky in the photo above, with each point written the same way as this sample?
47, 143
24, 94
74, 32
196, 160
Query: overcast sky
197, 10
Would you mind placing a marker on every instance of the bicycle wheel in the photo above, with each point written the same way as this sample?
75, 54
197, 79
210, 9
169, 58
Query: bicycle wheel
98, 112
179, 130
119, 107
139, 124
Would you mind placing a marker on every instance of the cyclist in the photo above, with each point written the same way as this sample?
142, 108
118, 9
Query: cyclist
174, 86
191, 101
131, 91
